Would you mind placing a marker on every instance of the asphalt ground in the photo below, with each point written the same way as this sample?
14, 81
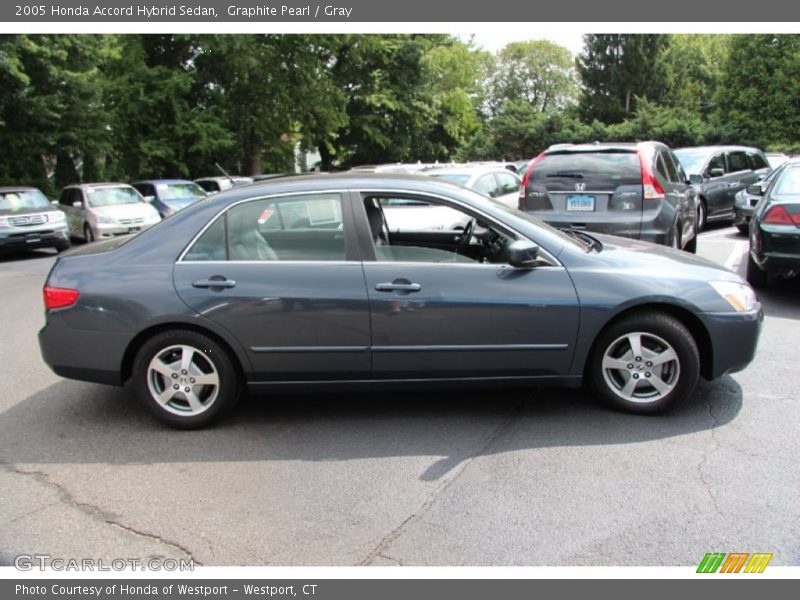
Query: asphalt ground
520, 477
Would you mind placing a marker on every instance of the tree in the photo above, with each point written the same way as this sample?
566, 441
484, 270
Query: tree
615, 69
539, 72
759, 91
693, 66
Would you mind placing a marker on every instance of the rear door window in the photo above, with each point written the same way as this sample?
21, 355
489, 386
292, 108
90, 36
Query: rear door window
717, 162
758, 162
509, 184
486, 185
590, 171
738, 161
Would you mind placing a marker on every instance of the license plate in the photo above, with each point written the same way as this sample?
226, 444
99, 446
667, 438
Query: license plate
134, 229
580, 203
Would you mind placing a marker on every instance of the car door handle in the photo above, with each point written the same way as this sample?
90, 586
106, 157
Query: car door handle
214, 282
398, 287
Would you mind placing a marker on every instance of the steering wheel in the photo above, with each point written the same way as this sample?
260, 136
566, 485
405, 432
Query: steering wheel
466, 236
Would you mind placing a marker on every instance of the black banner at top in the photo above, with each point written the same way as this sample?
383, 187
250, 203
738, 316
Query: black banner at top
305, 11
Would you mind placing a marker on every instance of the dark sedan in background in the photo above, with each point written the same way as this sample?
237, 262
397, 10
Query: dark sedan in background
746, 200
299, 284
168, 196
718, 174
775, 228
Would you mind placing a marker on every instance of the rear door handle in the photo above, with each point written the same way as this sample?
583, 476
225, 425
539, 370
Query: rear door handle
214, 282
398, 287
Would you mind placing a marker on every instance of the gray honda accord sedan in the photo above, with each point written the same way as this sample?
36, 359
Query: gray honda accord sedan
302, 283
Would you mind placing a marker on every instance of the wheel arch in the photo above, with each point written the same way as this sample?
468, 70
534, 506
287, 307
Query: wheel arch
696, 328
129, 356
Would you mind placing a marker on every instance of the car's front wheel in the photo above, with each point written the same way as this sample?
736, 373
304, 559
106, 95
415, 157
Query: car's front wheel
644, 363
186, 379
701, 215
88, 234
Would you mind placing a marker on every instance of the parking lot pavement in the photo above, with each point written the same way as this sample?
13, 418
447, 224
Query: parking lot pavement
521, 477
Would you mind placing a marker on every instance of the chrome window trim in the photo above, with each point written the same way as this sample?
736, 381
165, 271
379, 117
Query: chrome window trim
342, 194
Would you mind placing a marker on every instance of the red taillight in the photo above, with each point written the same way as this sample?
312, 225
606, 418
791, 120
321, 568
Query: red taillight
778, 215
59, 297
527, 175
651, 188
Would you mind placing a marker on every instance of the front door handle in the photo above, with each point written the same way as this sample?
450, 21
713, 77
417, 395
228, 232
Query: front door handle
398, 287
217, 281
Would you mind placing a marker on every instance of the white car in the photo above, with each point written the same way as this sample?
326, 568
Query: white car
104, 210
213, 185
493, 181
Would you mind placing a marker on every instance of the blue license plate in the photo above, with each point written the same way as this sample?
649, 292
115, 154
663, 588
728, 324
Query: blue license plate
580, 203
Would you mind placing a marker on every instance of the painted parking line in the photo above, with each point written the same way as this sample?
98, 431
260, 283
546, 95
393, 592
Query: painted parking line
736, 256
704, 235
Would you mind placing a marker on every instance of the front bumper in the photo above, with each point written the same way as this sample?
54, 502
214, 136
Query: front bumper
19, 238
110, 230
734, 339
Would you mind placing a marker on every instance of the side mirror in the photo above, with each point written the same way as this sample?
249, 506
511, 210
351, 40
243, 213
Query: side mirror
716, 172
77, 204
150, 199
523, 254
756, 189
695, 179
54, 202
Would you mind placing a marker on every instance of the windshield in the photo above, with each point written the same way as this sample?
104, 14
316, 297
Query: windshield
454, 177
179, 191
789, 184
23, 200
110, 196
692, 160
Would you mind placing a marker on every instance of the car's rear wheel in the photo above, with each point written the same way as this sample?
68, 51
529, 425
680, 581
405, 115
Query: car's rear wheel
62, 246
645, 363
186, 379
756, 276
702, 214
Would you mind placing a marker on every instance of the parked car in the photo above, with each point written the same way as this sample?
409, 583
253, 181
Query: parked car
745, 203
776, 159
633, 190
718, 173
775, 228
168, 196
494, 181
28, 220
102, 210
214, 185
298, 284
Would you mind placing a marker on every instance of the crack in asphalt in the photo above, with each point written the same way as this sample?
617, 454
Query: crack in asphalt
380, 549
708, 452
93, 511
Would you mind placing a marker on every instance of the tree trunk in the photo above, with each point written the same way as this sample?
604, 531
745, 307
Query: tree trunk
325, 158
254, 156
628, 101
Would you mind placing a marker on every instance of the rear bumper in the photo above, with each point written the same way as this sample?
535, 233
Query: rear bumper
734, 338
775, 248
94, 356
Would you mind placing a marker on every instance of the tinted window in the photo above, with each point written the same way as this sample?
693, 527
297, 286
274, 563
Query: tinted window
65, 198
671, 171
738, 161
486, 185
661, 167
758, 162
717, 162
291, 228
508, 183
597, 170
789, 183
210, 245
209, 186
678, 168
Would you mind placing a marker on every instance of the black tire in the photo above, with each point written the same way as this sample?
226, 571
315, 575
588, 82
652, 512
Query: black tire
756, 277
743, 228
63, 246
691, 245
702, 215
658, 332
212, 402
88, 234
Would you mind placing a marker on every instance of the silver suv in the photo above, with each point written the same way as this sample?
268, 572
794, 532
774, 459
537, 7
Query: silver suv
28, 220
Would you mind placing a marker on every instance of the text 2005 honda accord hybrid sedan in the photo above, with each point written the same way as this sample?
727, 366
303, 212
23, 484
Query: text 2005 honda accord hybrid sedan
300, 283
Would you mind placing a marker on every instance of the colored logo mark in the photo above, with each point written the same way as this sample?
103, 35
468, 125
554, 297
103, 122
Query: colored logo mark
734, 562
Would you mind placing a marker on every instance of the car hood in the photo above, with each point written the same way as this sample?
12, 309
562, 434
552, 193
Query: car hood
49, 210
655, 260
126, 211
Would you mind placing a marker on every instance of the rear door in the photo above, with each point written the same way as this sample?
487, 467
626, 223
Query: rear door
741, 175
281, 275
600, 191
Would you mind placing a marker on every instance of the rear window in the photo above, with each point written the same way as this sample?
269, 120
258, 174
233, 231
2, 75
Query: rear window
789, 184
598, 171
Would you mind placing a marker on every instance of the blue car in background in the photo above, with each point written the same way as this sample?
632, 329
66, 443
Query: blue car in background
168, 196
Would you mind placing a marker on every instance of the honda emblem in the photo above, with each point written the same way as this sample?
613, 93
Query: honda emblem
579, 187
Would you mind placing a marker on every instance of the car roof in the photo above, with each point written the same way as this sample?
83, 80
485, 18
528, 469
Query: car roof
18, 188
600, 147
466, 170
710, 149
107, 184
162, 181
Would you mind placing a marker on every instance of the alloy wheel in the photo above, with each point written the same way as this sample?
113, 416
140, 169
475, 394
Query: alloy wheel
183, 380
641, 367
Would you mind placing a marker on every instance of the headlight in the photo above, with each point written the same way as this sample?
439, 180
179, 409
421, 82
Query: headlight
4, 222
56, 217
740, 296
104, 219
